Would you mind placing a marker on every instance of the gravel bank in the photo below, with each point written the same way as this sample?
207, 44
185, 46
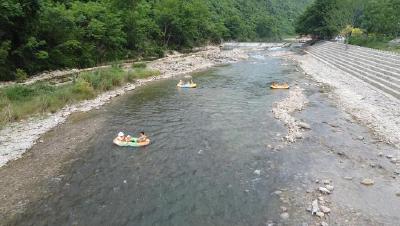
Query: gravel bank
282, 110
12, 146
374, 109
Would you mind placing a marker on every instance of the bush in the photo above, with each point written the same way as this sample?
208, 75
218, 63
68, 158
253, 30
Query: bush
83, 89
20, 75
142, 73
139, 65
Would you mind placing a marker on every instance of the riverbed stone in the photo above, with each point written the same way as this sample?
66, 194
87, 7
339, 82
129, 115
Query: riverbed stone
324, 190
285, 216
320, 214
368, 181
329, 187
325, 209
326, 181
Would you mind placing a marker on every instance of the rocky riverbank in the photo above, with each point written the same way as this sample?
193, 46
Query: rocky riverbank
11, 144
371, 107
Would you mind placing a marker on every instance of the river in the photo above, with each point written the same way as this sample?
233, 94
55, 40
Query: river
209, 162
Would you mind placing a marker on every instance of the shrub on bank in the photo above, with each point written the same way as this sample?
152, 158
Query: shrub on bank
21, 101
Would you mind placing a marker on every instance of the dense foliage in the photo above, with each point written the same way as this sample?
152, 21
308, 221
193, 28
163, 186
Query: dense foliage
377, 19
37, 35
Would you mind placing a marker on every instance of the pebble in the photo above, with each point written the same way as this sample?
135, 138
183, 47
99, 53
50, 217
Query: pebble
380, 154
257, 172
200, 152
323, 223
309, 191
40, 141
348, 178
367, 181
320, 214
125, 182
325, 209
277, 192
393, 160
285, 216
398, 194
389, 156
360, 138
284, 209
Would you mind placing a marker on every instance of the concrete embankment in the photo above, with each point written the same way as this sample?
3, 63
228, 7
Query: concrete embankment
366, 83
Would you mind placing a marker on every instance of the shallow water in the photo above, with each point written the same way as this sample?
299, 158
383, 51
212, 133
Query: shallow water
199, 170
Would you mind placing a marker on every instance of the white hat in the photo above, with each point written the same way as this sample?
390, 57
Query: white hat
121, 134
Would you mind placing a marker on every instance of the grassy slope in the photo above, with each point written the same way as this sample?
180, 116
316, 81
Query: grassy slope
21, 101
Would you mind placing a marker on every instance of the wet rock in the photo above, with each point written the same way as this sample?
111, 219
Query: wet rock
367, 181
325, 209
285, 216
324, 190
320, 214
314, 207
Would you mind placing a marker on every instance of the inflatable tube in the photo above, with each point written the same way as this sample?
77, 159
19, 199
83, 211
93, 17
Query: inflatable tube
280, 86
132, 143
194, 85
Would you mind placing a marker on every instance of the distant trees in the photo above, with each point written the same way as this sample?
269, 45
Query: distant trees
39, 35
326, 18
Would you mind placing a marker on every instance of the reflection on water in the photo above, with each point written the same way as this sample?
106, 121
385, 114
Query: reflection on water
207, 142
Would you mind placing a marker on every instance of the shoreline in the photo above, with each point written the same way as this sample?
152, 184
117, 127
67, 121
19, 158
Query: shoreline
372, 108
12, 147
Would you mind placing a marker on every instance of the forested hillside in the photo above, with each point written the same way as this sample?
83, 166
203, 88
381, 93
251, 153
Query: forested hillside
365, 22
37, 35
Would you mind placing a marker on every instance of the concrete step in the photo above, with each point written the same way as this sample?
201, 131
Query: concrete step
360, 75
395, 77
387, 81
380, 65
366, 52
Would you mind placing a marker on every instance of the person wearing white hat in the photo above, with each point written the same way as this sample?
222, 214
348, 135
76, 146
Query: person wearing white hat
121, 136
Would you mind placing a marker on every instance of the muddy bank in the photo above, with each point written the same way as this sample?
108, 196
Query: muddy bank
12, 147
372, 108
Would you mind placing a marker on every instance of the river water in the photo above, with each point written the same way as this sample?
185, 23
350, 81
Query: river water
207, 144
